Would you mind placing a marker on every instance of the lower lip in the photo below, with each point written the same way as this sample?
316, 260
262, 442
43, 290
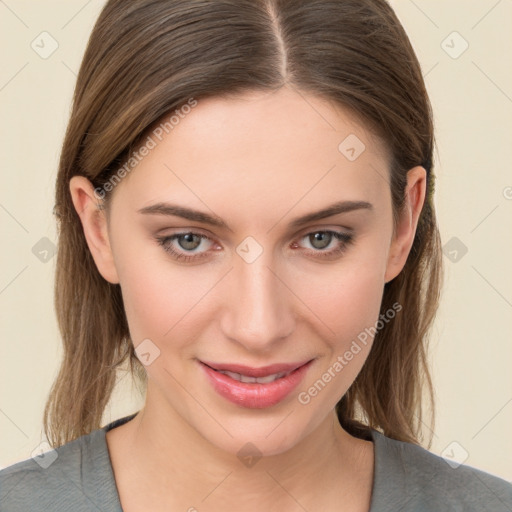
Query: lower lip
254, 395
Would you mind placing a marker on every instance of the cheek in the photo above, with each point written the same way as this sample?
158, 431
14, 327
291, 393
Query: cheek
345, 298
349, 304
159, 296
159, 301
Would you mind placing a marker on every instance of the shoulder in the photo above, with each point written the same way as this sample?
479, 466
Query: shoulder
76, 476
410, 474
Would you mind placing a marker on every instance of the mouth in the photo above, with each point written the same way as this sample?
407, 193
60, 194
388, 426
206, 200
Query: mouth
249, 371
255, 387
254, 380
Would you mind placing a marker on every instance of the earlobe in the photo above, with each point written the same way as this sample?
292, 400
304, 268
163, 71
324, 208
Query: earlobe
406, 229
94, 224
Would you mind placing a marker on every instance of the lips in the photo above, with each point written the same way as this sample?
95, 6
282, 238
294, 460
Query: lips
248, 371
255, 387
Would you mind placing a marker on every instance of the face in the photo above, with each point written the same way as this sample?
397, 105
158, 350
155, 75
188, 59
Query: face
256, 286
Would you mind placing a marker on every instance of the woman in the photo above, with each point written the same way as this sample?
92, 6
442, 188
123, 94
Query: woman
246, 217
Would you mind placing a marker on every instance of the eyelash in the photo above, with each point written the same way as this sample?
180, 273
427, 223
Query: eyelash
346, 238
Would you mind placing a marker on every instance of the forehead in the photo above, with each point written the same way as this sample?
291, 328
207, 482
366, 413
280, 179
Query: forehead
283, 146
261, 122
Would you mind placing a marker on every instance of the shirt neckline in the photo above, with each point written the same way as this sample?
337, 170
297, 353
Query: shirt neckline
386, 462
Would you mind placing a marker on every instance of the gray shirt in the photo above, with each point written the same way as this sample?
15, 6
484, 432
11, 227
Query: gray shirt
407, 478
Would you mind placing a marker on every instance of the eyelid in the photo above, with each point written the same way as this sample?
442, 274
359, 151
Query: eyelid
344, 237
208, 235
330, 227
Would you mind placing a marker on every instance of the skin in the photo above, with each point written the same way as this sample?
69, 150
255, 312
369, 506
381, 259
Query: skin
257, 162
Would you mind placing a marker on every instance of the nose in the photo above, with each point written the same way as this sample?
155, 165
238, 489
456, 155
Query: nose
258, 313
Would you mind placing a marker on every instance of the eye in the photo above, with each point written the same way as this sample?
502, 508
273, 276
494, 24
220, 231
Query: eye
320, 240
188, 243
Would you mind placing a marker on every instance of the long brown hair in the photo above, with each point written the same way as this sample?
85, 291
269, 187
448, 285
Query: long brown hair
146, 59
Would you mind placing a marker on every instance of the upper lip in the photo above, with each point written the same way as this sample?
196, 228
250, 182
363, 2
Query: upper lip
263, 371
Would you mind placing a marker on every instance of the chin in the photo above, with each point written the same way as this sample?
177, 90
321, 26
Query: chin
252, 438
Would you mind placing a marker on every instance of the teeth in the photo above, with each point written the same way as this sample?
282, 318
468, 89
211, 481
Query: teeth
254, 380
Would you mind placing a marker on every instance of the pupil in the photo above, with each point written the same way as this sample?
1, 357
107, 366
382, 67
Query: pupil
320, 236
189, 240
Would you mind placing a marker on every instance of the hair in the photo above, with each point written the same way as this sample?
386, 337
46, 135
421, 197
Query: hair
147, 58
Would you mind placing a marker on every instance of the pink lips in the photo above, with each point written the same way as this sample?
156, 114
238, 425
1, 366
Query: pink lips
255, 395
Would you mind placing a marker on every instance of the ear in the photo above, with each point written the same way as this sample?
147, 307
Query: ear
94, 224
406, 229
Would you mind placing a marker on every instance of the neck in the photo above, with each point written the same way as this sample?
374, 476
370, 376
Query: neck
170, 458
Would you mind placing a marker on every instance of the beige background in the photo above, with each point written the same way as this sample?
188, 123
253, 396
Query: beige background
472, 99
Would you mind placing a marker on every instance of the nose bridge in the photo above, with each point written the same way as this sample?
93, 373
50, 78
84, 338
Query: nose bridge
258, 309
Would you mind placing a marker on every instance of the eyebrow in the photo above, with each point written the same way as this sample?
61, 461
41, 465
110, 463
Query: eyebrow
205, 218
